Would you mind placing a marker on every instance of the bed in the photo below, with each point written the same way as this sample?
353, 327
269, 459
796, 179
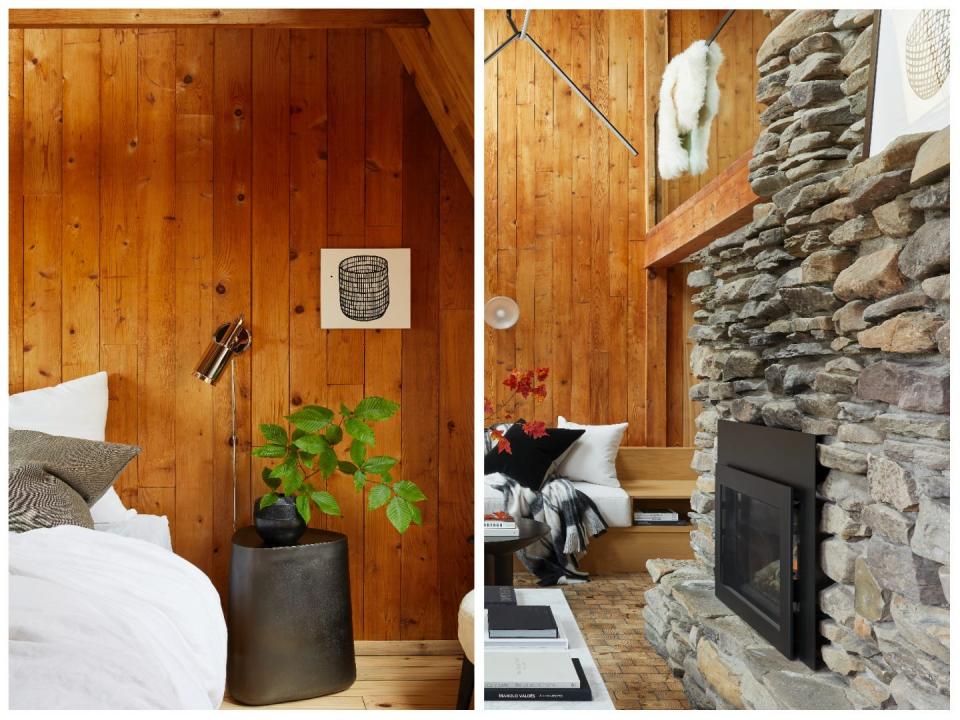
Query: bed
106, 616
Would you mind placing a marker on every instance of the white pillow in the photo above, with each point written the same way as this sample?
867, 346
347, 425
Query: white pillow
76, 408
593, 457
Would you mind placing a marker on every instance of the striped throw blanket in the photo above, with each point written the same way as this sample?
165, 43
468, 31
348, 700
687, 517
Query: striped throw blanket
573, 518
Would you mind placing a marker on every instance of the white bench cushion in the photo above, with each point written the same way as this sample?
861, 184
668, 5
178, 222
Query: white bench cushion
612, 502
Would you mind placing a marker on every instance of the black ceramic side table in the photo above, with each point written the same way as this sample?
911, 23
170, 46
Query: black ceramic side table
290, 625
498, 551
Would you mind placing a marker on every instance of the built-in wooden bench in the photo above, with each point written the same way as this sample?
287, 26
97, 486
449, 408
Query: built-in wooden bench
653, 477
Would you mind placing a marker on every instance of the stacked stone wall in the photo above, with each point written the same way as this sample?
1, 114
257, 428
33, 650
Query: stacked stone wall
829, 314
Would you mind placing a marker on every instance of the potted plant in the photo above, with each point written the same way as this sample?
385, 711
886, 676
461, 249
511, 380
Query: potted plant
309, 456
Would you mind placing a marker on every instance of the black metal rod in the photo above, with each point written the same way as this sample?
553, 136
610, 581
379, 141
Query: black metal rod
573, 86
500, 49
719, 27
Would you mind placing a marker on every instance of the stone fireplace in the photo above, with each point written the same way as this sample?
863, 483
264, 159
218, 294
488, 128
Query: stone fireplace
828, 314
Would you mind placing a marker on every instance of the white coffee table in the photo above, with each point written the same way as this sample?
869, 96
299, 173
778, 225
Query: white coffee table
577, 648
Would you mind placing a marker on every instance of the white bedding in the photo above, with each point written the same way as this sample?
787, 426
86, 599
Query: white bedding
152, 528
101, 621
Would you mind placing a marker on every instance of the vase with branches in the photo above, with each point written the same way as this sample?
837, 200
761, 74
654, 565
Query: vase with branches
523, 384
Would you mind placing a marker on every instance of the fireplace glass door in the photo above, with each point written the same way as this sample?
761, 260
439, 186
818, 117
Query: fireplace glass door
756, 552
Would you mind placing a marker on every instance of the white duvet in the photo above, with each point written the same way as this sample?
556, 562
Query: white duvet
100, 621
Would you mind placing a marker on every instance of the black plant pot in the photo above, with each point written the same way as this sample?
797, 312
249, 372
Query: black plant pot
279, 524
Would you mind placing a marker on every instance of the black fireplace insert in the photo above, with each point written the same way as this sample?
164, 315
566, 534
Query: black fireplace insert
766, 567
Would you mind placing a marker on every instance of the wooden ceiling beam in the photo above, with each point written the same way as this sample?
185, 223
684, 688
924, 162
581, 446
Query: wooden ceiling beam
720, 207
237, 18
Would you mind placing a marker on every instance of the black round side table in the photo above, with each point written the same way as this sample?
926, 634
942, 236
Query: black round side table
498, 551
290, 625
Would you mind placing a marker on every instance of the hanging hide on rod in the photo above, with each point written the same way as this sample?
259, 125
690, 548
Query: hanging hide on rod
689, 98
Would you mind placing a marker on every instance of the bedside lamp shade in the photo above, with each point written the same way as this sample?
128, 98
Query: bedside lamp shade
229, 340
501, 312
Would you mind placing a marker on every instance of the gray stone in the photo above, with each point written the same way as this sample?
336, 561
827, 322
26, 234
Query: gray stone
837, 557
870, 600
898, 155
944, 574
820, 404
837, 601
933, 159
899, 570
931, 539
849, 318
936, 197
878, 189
839, 660
701, 502
840, 458
855, 231
834, 520
809, 691
914, 425
942, 336
909, 332
811, 141
810, 91
925, 627
846, 19
700, 278
819, 42
834, 383
824, 265
782, 413
856, 82
870, 687
768, 181
820, 117
718, 673
893, 305
890, 524
748, 409
809, 299
742, 364
890, 483
872, 276
700, 601
928, 251
912, 696
798, 25
658, 567
859, 433
859, 54
897, 218
772, 86
937, 288
924, 389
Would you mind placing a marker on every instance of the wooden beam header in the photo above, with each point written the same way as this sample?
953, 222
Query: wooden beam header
719, 208
237, 18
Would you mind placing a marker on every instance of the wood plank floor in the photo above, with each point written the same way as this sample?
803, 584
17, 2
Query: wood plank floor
391, 675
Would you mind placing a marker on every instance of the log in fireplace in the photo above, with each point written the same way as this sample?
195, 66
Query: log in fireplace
766, 567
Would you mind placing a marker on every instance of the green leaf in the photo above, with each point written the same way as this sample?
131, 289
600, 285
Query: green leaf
268, 500
296, 434
376, 408
399, 514
358, 452
312, 444
345, 411
307, 459
270, 451
347, 468
379, 464
326, 502
274, 434
271, 482
359, 430
409, 491
327, 461
293, 482
417, 518
286, 468
379, 496
303, 507
359, 480
333, 434
311, 418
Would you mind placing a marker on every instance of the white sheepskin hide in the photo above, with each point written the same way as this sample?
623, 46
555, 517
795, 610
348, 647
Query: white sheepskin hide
689, 98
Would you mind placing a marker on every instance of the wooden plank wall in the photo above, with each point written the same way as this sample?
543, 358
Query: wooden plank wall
165, 180
565, 215
737, 123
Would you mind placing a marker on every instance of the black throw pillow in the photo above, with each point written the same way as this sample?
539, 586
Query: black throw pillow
531, 458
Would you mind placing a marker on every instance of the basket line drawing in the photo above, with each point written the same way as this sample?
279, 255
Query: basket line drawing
364, 284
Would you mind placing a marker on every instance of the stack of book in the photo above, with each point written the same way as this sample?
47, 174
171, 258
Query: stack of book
512, 625
656, 517
500, 525
535, 676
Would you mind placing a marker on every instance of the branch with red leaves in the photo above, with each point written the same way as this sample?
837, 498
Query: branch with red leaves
523, 384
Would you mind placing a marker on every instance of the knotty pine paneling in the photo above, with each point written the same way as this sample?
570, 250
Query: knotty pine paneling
165, 180
566, 215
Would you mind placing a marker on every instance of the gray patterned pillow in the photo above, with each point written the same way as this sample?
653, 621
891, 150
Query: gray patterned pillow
87, 466
40, 500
